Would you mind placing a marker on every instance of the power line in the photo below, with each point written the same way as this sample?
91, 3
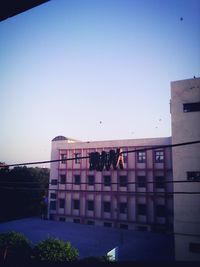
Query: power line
152, 193
163, 146
86, 157
99, 183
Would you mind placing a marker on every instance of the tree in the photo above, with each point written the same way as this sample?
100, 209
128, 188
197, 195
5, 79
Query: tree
55, 250
21, 191
14, 247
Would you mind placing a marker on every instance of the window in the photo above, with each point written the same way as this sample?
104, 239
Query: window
53, 195
54, 182
90, 222
160, 211
63, 158
141, 156
141, 180
191, 107
107, 180
193, 176
123, 181
90, 205
90, 179
77, 179
106, 206
142, 228
52, 205
160, 182
77, 160
142, 209
123, 226
51, 217
107, 224
62, 219
61, 203
123, 207
76, 204
62, 178
194, 247
159, 156
76, 221
125, 156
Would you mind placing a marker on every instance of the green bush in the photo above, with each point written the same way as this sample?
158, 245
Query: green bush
55, 250
14, 247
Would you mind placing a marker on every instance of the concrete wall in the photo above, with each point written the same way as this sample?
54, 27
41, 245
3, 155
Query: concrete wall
186, 128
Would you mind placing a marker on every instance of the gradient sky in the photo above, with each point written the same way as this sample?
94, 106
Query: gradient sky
68, 64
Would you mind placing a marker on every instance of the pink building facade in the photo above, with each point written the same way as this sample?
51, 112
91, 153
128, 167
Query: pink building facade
133, 198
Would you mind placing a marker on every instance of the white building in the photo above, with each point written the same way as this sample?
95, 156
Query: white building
137, 197
185, 115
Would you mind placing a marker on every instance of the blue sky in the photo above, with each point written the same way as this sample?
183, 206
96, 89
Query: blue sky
68, 64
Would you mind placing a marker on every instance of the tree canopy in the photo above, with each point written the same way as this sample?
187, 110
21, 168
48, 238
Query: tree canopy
21, 191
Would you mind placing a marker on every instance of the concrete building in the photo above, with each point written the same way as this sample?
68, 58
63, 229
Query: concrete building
132, 198
185, 115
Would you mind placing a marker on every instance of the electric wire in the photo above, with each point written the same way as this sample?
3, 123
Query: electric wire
86, 157
100, 191
100, 183
96, 183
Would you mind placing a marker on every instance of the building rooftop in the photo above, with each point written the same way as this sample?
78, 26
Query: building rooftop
72, 143
63, 138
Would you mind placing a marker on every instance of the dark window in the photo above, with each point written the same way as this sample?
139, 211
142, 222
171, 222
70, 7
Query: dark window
53, 195
77, 179
51, 217
107, 180
63, 158
141, 156
76, 204
62, 178
106, 206
142, 228
159, 156
52, 205
159, 228
90, 222
191, 107
90, 205
123, 181
160, 211
76, 221
123, 207
193, 176
62, 219
141, 180
77, 158
125, 157
61, 203
142, 209
160, 181
107, 224
194, 247
123, 226
90, 179
54, 182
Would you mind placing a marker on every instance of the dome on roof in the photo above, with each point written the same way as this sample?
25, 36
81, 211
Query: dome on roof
59, 138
